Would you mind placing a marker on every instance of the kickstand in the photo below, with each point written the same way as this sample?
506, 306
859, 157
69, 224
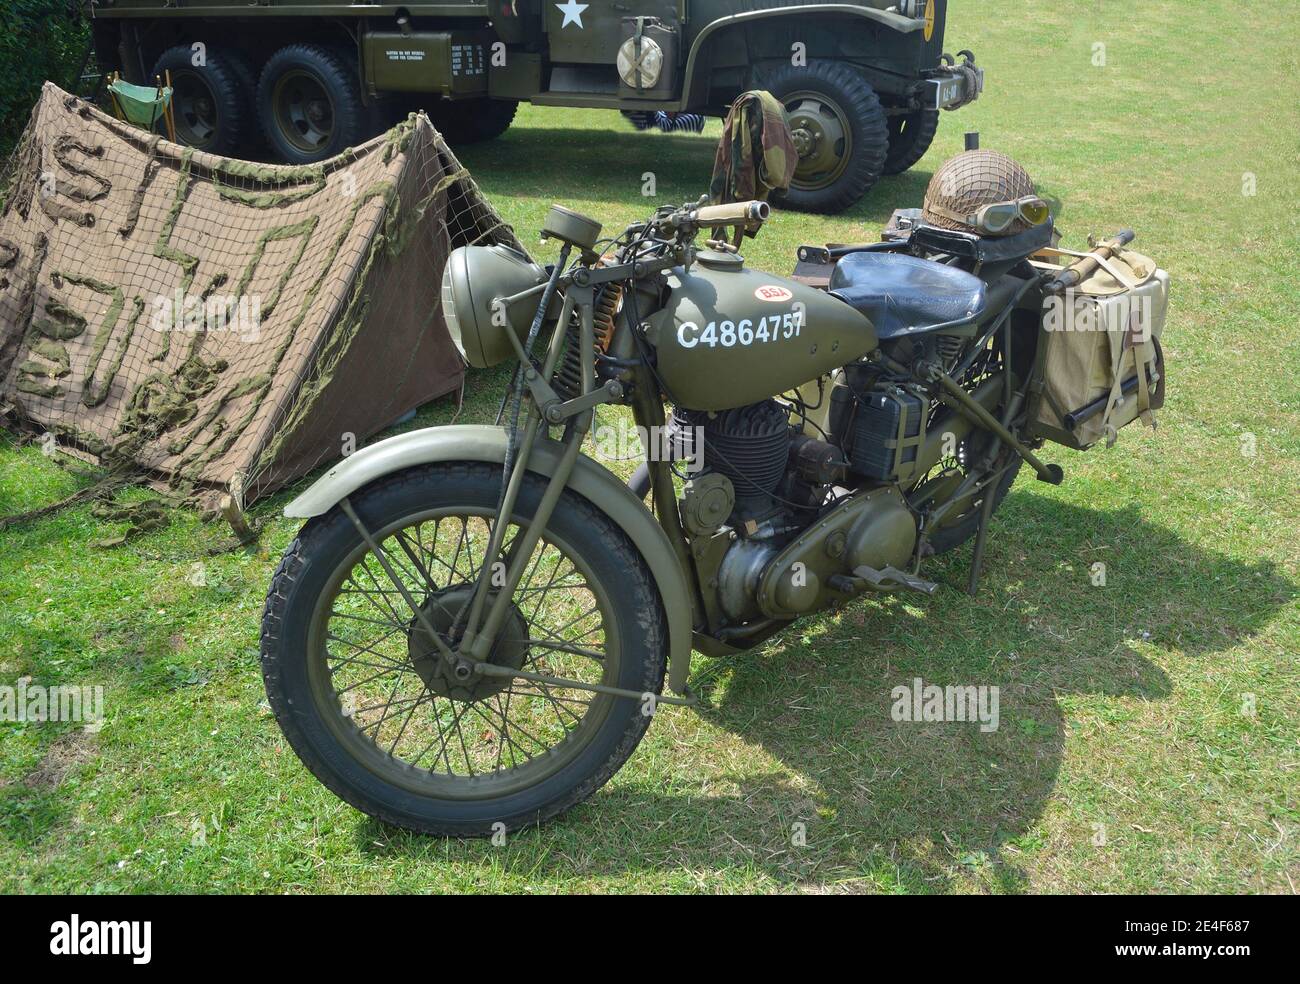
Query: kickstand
977, 558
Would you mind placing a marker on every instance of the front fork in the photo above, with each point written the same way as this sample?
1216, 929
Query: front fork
499, 578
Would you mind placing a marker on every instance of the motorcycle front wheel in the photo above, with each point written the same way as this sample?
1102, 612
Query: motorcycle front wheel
369, 706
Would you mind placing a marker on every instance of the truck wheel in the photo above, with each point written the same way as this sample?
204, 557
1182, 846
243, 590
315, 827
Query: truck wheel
474, 120
211, 106
309, 99
840, 131
910, 137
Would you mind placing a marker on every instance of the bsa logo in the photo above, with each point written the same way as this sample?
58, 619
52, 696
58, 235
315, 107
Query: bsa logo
772, 293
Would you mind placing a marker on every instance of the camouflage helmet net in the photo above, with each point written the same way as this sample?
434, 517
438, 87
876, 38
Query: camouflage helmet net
970, 180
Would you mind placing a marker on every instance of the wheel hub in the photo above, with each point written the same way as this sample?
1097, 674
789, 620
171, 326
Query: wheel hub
459, 681
822, 138
803, 141
303, 112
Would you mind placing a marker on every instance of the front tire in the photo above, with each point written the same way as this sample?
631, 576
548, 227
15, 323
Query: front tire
321, 681
840, 131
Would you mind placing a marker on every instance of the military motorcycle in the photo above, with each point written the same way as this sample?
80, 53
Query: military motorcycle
471, 632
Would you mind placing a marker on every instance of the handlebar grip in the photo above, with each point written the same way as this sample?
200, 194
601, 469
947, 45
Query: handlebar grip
733, 213
1125, 236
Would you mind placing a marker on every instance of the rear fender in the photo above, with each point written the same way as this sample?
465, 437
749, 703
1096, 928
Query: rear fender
596, 484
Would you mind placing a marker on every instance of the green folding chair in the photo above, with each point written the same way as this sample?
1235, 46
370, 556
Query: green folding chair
142, 105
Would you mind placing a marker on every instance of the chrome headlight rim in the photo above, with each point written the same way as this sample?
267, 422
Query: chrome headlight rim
450, 316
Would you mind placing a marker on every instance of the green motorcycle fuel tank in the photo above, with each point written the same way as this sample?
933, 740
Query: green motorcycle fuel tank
730, 336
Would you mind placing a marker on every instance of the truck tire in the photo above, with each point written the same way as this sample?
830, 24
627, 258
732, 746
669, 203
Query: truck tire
910, 137
309, 101
473, 120
840, 130
210, 103
243, 68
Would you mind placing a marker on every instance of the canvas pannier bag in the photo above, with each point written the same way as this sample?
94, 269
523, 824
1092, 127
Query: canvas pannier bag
1100, 363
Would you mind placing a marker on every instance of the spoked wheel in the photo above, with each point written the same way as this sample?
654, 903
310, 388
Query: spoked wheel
374, 710
962, 521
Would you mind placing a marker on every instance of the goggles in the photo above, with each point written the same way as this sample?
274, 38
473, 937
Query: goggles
998, 216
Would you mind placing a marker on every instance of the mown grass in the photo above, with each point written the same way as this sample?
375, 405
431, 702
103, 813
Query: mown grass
1124, 761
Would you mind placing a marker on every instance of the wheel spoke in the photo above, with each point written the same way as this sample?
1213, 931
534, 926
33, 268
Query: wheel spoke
560, 646
400, 697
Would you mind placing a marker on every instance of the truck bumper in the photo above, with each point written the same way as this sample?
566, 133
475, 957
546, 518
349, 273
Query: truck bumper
953, 86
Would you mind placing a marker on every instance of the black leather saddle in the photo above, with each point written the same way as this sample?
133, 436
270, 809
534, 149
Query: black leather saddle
903, 294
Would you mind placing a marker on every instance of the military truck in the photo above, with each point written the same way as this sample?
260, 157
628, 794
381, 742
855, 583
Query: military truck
863, 80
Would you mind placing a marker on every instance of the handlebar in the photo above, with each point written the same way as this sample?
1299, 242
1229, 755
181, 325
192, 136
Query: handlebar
733, 213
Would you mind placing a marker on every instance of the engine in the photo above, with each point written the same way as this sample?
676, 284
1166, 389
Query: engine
775, 496
778, 473
749, 446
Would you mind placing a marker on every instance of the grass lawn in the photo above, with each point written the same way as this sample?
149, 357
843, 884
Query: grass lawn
1150, 734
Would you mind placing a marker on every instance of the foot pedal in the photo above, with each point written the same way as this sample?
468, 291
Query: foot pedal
892, 579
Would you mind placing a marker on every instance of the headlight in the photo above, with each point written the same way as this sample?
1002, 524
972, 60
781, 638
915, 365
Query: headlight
640, 72
475, 276
449, 311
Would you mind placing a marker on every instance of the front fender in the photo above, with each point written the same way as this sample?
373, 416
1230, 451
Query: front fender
890, 19
595, 483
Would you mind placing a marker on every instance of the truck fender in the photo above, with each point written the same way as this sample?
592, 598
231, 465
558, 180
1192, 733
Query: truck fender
594, 482
894, 21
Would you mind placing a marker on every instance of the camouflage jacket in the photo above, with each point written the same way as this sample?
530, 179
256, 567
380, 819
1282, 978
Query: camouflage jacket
756, 154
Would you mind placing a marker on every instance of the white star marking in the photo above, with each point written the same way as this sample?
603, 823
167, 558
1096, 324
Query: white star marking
572, 12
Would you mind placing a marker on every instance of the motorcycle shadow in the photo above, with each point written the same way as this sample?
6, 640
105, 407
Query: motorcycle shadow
918, 806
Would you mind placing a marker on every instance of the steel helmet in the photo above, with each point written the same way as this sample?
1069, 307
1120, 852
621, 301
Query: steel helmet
984, 192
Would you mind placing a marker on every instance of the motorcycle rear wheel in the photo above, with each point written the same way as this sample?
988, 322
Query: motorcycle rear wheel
367, 704
965, 526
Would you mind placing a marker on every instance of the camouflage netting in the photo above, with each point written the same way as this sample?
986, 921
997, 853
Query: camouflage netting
213, 324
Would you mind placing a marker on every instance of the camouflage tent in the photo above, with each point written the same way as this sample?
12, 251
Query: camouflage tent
215, 324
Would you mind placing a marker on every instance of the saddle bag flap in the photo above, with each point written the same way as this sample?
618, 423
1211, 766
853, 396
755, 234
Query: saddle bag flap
1100, 362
